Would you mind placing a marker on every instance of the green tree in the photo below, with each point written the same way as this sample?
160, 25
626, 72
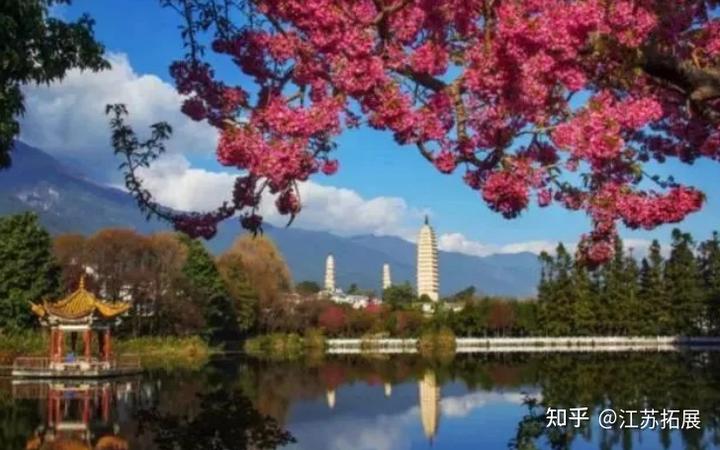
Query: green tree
28, 270
556, 294
654, 302
206, 288
473, 319
37, 48
245, 298
612, 293
684, 284
399, 295
464, 295
307, 287
526, 312
709, 259
630, 310
583, 313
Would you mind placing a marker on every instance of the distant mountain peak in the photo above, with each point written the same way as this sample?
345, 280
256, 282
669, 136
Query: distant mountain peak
67, 201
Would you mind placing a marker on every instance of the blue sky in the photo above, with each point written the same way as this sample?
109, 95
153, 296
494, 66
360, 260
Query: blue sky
372, 164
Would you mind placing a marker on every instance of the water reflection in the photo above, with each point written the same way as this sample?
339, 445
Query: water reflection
77, 415
429, 404
400, 402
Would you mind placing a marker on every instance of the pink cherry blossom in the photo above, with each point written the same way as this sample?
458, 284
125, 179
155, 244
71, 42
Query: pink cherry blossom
550, 99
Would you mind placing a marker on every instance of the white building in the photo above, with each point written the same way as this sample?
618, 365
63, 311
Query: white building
330, 273
427, 263
386, 280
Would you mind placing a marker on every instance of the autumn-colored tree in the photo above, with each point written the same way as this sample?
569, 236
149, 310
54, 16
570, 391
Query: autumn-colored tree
168, 308
118, 258
333, 319
570, 102
501, 317
264, 264
69, 252
268, 276
405, 323
238, 284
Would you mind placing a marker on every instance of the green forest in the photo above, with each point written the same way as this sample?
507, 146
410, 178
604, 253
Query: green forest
655, 295
179, 289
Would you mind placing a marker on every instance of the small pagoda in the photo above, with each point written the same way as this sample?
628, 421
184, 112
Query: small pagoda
80, 314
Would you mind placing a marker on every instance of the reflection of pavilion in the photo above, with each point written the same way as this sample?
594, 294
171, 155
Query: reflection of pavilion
429, 404
77, 415
79, 314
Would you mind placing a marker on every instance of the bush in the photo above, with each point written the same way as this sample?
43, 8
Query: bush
437, 344
166, 352
29, 343
314, 339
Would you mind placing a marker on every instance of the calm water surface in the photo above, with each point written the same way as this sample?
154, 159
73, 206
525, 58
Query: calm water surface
393, 402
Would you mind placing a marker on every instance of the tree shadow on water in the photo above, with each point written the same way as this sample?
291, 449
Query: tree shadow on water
226, 420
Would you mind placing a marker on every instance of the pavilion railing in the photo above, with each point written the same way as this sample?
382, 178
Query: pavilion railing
127, 362
31, 362
42, 363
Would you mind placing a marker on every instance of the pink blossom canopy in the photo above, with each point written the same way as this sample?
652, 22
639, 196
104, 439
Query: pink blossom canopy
553, 101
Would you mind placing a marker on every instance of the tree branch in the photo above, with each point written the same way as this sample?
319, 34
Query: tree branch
699, 84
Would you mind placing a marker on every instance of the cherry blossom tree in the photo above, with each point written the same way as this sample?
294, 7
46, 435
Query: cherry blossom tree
548, 101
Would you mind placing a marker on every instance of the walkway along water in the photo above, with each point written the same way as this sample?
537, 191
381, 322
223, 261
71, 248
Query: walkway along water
530, 344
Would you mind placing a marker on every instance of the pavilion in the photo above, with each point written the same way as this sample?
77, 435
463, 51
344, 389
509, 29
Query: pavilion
80, 314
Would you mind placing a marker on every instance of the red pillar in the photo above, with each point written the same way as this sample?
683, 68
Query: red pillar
50, 420
107, 349
52, 344
58, 417
105, 404
86, 408
86, 342
61, 345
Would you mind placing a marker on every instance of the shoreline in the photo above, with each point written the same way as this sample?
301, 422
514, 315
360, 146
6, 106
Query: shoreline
530, 344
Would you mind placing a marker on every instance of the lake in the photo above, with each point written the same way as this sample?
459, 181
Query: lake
495, 401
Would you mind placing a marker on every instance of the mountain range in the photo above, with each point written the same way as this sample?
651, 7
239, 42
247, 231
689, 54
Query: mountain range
67, 200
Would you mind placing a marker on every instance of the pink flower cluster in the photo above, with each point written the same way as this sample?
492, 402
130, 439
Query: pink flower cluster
643, 210
507, 190
598, 133
505, 96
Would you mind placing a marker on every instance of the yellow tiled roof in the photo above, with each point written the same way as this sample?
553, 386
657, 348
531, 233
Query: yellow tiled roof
79, 304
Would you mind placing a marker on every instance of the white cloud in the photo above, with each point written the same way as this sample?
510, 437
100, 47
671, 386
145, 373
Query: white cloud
176, 184
457, 242
68, 117
345, 212
464, 405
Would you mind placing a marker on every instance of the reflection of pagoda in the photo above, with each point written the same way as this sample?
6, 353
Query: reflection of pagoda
77, 416
330, 396
429, 404
388, 389
79, 314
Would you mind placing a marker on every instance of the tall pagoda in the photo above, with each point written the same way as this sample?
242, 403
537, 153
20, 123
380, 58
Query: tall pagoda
80, 314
